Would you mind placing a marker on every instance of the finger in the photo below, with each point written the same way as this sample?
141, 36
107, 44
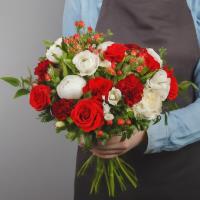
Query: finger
106, 156
106, 152
112, 147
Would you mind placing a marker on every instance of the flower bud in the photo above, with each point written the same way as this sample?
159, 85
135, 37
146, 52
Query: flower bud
60, 124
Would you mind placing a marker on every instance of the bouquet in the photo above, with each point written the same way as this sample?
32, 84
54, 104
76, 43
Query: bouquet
95, 89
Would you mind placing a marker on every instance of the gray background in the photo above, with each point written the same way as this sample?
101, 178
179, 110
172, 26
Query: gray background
35, 163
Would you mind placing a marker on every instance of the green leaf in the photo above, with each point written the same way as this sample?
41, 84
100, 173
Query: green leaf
11, 80
21, 92
184, 85
71, 135
48, 43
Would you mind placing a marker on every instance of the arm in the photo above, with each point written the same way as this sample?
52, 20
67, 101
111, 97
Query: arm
183, 124
183, 127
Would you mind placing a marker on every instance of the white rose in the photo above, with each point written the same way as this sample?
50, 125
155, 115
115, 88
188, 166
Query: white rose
55, 50
150, 106
114, 96
155, 56
86, 62
71, 87
103, 46
161, 83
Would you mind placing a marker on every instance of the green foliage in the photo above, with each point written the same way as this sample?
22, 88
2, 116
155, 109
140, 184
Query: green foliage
163, 53
71, 135
11, 80
184, 86
21, 92
48, 43
45, 116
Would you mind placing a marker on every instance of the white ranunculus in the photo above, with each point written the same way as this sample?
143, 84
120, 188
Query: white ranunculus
150, 106
105, 63
155, 56
103, 46
161, 83
114, 96
86, 62
55, 50
71, 87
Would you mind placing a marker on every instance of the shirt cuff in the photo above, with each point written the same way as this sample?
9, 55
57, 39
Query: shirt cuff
158, 136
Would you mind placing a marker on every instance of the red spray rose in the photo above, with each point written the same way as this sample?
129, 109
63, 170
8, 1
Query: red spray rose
131, 88
88, 115
40, 97
98, 86
41, 70
173, 92
79, 24
62, 109
115, 52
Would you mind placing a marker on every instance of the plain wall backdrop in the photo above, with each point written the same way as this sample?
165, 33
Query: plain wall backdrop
35, 163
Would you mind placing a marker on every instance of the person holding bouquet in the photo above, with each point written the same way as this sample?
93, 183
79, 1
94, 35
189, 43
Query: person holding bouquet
166, 157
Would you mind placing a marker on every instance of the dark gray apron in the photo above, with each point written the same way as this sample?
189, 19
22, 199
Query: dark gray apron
155, 24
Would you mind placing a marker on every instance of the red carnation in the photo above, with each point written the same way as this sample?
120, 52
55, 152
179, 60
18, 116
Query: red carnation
41, 70
115, 52
149, 60
88, 115
40, 97
98, 86
131, 88
62, 108
173, 92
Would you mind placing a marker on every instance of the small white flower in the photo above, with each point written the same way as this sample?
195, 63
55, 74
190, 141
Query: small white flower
108, 116
150, 106
103, 46
105, 63
60, 124
161, 83
106, 107
86, 62
155, 56
71, 87
55, 50
114, 96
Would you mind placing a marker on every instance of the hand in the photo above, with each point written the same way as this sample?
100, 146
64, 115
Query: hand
115, 147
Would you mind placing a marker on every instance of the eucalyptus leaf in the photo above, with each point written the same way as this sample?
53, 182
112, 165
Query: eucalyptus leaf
11, 80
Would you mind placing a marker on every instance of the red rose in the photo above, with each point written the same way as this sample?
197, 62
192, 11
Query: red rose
173, 92
98, 86
40, 97
41, 70
88, 115
115, 52
131, 88
62, 109
149, 60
